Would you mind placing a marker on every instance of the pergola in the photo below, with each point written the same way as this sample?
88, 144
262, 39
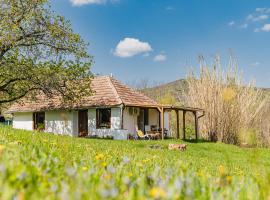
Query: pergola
197, 112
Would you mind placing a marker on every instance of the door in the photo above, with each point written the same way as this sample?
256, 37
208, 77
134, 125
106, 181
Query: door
83, 123
140, 120
39, 121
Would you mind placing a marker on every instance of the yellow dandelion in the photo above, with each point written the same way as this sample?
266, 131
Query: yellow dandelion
229, 179
157, 193
130, 174
84, 168
104, 164
2, 147
221, 170
144, 161
139, 164
200, 173
99, 156
107, 176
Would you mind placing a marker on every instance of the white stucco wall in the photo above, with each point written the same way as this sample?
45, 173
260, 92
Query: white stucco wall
115, 118
61, 122
23, 121
91, 121
75, 126
129, 121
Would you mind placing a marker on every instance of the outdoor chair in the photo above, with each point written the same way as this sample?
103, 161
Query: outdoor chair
143, 136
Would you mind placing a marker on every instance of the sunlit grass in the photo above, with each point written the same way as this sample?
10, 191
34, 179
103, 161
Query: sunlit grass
35, 165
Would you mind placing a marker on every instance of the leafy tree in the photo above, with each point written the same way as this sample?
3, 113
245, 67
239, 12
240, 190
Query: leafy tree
40, 52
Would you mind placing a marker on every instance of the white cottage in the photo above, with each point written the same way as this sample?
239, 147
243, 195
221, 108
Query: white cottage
112, 110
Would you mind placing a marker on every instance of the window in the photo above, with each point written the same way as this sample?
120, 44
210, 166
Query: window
104, 118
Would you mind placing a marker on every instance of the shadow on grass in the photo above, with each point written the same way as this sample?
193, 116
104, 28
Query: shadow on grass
197, 141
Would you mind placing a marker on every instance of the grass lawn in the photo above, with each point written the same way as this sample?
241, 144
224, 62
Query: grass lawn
40, 165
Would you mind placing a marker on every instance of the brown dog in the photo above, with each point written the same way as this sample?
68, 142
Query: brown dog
181, 147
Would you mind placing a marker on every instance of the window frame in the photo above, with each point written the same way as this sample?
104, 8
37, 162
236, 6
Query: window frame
99, 122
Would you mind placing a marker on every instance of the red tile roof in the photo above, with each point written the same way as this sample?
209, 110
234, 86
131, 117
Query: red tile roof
107, 91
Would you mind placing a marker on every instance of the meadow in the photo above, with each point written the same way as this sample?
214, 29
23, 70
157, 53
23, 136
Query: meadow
44, 166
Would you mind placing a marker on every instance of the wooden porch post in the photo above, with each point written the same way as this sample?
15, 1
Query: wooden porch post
196, 125
177, 124
162, 123
184, 124
122, 107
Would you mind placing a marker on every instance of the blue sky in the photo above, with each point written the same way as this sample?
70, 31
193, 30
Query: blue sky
159, 39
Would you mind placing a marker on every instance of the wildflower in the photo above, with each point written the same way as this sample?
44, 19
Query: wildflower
126, 160
145, 161
157, 193
99, 156
2, 148
178, 184
84, 168
221, 170
139, 164
54, 188
111, 169
229, 179
104, 164
70, 171
107, 176
200, 173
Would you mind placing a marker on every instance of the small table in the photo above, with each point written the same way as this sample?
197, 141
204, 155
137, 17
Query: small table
154, 134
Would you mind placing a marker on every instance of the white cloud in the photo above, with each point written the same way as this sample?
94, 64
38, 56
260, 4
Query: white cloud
160, 57
243, 26
85, 2
257, 18
266, 27
255, 64
263, 10
129, 47
231, 23
256, 30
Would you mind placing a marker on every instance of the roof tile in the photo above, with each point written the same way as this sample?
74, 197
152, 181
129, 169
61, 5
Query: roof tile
107, 91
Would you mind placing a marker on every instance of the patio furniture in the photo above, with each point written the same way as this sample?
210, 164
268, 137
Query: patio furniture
143, 136
156, 136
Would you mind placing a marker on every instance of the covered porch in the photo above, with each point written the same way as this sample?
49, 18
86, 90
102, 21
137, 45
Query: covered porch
162, 129
197, 113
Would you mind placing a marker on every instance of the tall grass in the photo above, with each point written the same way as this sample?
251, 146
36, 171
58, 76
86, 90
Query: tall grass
232, 107
44, 166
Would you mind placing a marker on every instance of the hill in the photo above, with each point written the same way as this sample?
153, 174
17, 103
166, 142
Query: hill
176, 88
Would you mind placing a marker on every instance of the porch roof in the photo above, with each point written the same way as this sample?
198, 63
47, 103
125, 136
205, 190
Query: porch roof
181, 108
